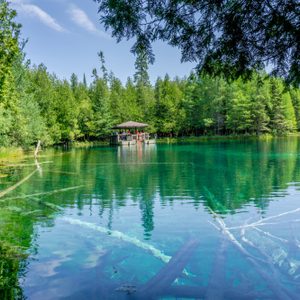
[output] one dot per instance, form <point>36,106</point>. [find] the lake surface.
<point>211,220</point>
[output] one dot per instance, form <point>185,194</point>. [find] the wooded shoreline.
<point>8,154</point>
<point>36,105</point>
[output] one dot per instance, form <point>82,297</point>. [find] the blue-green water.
<point>210,220</point>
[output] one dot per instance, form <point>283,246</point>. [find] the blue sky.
<point>66,35</point>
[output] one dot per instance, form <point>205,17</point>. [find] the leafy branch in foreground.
<point>229,37</point>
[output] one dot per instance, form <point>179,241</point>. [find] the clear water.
<point>211,220</point>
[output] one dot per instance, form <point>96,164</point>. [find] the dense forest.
<point>36,105</point>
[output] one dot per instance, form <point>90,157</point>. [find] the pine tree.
<point>84,80</point>
<point>103,67</point>
<point>260,100</point>
<point>130,109</point>
<point>166,108</point>
<point>142,82</point>
<point>239,113</point>
<point>44,92</point>
<point>295,95</point>
<point>85,111</point>
<point>30,124</point>
<point>95,74</point>
<point>74,82</point>
<point>289,112</point>
<point>278,122</point>
<point>102,116</point>
<point>141,76</point>
<point>191,104</point>
<point>259,116</point>
<point>219,104</point>
<point>67,115</point>
<point>115,100</point>
<point>238,117</point>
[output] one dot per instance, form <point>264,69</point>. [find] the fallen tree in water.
<point>13,187</point>
<point>122,236</point>
<point>38,169</point>
<point>171,271</point>
<point>214,289</point>
<point>45,193</point>
<point>272,258</point>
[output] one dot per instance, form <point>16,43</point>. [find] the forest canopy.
<point>36,105</point>
<point>229,37</point>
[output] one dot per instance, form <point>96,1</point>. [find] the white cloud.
<point>36,12</point>
<point>79,17</point>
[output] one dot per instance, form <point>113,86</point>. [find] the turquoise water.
<point>210,220</point>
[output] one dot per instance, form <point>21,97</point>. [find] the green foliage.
<point>85,111</point>
<point>289,112</point>
<point>295,95</point>
<point>43,90</point>
<point>5,125</point>
<point>9,42</point>
<point>239,114</point>
<point>223,37</point>
<point>282,112</point>
<point>36,105</point>
<point>130,109</point>
<point>141,76</point>
<point>166,108</point>
<point>102,107</point>
<point>66,114</point>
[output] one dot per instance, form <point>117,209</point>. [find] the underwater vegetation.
<point>11,259</point>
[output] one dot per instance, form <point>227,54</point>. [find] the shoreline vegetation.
<point>191,139</point>
<point>12,154</point>
<point>208,138</point>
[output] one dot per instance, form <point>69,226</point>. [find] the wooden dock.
<point>131,139</point>
<point>130,136</point>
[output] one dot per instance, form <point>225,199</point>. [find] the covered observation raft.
<point>130,133</point>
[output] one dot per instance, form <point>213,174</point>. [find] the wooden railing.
<point>129,137</point>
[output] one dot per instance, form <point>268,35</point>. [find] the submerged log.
<point>45,193</point>
<point>52,206</point>
<point>37,149</point>
<point>262,222</point>
<point>278,257</point>
<point>215,288</point>
<point>167,275</point>
<point>270,279</point>
<point>13,187</point>
<point>122,236</point>
<point>24,164</point>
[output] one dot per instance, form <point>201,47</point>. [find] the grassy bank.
<point>194,139</point>
<point>11,155</point>
<point>88,144</point>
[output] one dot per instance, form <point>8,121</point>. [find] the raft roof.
<point>130,124</point>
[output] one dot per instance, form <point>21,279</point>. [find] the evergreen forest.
<point>36,105</point>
